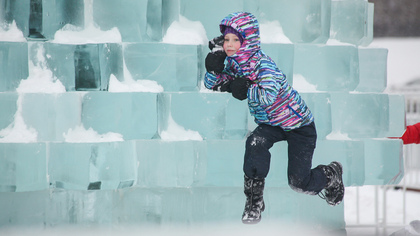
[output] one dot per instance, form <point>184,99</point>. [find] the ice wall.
<point>105,120</point>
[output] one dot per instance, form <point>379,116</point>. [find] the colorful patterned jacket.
<point>271,99</point>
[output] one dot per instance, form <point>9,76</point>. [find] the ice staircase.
<point>133,138</point>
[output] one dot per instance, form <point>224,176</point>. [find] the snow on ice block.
<point>51,115</point>
<point>133,115</point>
<point>23,167</point>
<point>372,69</point>
<point>58,13</point>
<point>360,115</point>
<point>351,21</point>
<point>170,164</point>
<point>130,17</point>
<point>92,166</point>
<point>13,65</point>
<point>311,22</point>
<point>383,161</point>
<point>213,115</point>
<point>328,68</point>
<point>84,66</point>
<point>175,67</point>
<point>8,104</point>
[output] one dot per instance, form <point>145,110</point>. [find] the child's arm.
<point>266,88</point>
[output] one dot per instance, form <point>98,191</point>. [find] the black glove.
<point>215,62</point>
<point>240,87</point>
<point>223,87</point>
<point>216,44</point>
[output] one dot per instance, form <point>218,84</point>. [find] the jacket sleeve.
<point>412,134</point>
<point>211,80</point>
<point>266,86</point>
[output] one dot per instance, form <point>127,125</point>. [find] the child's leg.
<point>302,178</point>
<point>257,155</point>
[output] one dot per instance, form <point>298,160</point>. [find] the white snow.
<point>71,34</point>
<point>11,33</point>
<point>81,135</point>
<point>175,132</point>
<point>272,32</point>
<point>187,32</point>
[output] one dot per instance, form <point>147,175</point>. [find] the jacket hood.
<point>247,25</point>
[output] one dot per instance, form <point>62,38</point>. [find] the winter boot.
<point>334,190</point>
<point>253,189</point>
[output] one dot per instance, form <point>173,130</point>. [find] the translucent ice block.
<point>397,120</point>
<point>13,65</point>
<point>209,13</point>
<point>175,67</point>
<point>133,115</point>
<point>311,22</point>
<point>98,165</point>
<point>320,106</point>
<point>17,11</point>
<point>282,55</point>
<point>360,115</point>
<point>9,107</point>
<point>373,69</point>
<point>350,153</point>
<point>383,161</point>
<point>23,167</point>
<point>170,164</point>
<point>351,21</point>
<point>216,115</point>
<point>84,67</point>
<point>51,114</point>
<point>130,17</point>
<point>329,68</point>
<point>58,13</point>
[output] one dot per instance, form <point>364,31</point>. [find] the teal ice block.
<point>351,21</point>
<point>23,167</point>
<point>92,166</point>
<point>8,104</point>
<point>51,115</point>
<point>133,115</point>
<point>373,70</point>
<point>174,67</point>
<point>329,68</point>
<point>215,115</point>
<point>13,65</point>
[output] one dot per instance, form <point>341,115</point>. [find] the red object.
<point>411,134</point>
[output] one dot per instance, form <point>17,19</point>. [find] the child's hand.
<point>215,62</point>
<point>216,44</point>
<point>239,87</point>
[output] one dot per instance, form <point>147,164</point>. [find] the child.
<point>244,70</point>
<point>411,135</point>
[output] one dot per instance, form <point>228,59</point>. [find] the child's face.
<point>231,44</point>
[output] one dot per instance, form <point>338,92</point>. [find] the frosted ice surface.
<point>13,64</point>
<point>99,165</point>
<point>372,69</point>
<point>23,174</point>
<point>158,62</point>
<point>329,68</point>
<point>133,115</point>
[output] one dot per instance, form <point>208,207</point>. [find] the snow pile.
<point>41,78</point>
<point>186,32</point>
<point>71,34</point>
<point>131,85</point>
<point>80,135</point>
<point>272,32</point>
<point>175,132</point>
<point>11,33</point>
